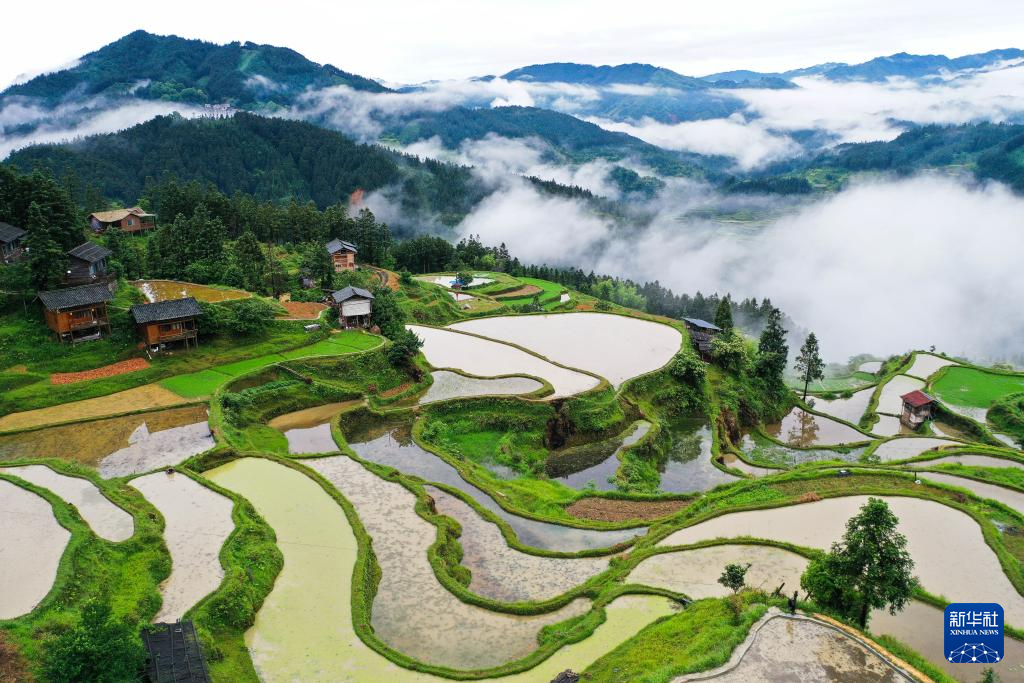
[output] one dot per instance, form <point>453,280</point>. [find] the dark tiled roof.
<point>171,309</point>
<point>917,398</point>
<point>338,245</point>
<point>350,292</point>
<point>72,297</point>
<point>90,251</point>
<point>701,324</point>
<point>9,233</point>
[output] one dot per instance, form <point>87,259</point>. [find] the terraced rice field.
<point>972,573</point>
<point>131,400</point>
<point>106,519</point>
<point>889,400</point>
<point>448,385</point>
<point>849,409</point>
<point>1007,496</point>
<point>601,475</point>
<point>925,365</point>
<point>904,448</point>
<point>486,358</point>
<point>31,545</point>
<point>629,346</point>
<point>970,388</point>
<point>889,425</point>
<point>164,290</point>
<point>309,430</point>
<point>801,428</point>
<point>186,507</point>
<point>689,467</point>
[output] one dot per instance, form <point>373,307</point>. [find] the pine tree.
<point>723,315</point>
<point>772,350</point>
<point>47,260</point>
<point>809,363</point>
<point>249,258</point>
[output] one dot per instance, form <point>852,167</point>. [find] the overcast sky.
<point>415,40</point>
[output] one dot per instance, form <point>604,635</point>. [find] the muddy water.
<point>31,545</point>
<point>87,443</point>
<point>304,630</point>
<point>1009,497</point>
<point>920,626</point>
<point>629,346</point>
<point>459,296</point>
<point>759,448</point>
<point>106,519</point>
<point>476,356</point>
<point>732,461</point>
<point>888,425</point>
<point>695,572</point>
<point>149,451</point>
<point>971,574</point>
<point>309,430</point>
<point>602,475</point>
<point>949,431</point>
<point>783,649</point>
<point>392,445</point>
<point>449,281</point>
<point>849,409</point>
<point>889,401</point>
<point>972,460</point>
<point>689,467</point>
<point>503,573</point>
<point>909,447</point>
<point>163,290</point>
<point>448,385</point>
<point>800,428</point>
<point>197,523</point>
<point>412,611</point>
<point>925,365</point>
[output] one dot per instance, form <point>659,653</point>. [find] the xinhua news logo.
<point>974,632</point>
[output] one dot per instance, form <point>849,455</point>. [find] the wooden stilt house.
<point>168,322</point>
<point>702,334</point>
<point>77,314</point>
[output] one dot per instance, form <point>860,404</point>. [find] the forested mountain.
<point>900,64</point>
<point>991,151</point>
<point>625,74</point>
<point>270,158</point>
<point>577,140</point>
<point>149,66</point>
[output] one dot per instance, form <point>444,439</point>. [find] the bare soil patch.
<point>612,510</point>
<point>525,290</point>
<point>13,666</point>
<point>303,310</point>
<point>125,366</point>
<point>139,398</point>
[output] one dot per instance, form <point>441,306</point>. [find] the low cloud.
<point>882,267</point>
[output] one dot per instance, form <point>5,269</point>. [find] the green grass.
<point>699,638</point>
<point>548,290</point>
<point>196,384</point>
<point>975,388</point>
<point>851,382</point>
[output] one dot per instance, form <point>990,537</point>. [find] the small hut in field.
<point>917,408</point>
<point>354,306</point>
<point>702,334</point>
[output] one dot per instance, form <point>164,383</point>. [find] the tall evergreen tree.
<point>772,349</point>
<point>723,315</point>
<point>47,260</point>
<point>250,259</point>
<point>809,363</point>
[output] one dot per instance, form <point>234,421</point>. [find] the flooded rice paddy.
<point>459,296</point>
<point>601,475</point>
<point>90,442</point>
<point>309,430</point>
<point>889,401</point>
<point>31,545</point>
<point>629,346</point>
<point>695,572</point>
<point>925,365</point>
<point>759,448</point>
<point>164,290</point>
<point>973,460</point>
<point>486,358</point>
<point>304,630</point>
<point>732,461</point>
<point>450,281</point>
<point>971,573</point>
<point>904,448</point>
<point>130,400</point>
<point>503,573</point>
<point>801,428</point>
<point>391,444</point>
<point>784,649</point>
<point>412,611</point>
<point>149,451</point>
<point>1009,497</point>
<point>850,409</point>
<point>197,522</point>
<point>870,367</point>
<point>689,467</point>
<point>448,385</point>
<point>889,425</point>
<point>106,519</point>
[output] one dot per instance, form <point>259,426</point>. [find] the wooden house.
<point>354,306</point>
<point>343,255</point>
<point>917,407</point>
<point>77,313</point>
<point>12,243</point>
<point>702,334</point>
<point>132,219</point>
<point>87,264</point>
<point>167,322</point>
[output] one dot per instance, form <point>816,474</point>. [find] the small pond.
<point>391,444</point>
<point>689,467</point>
<point>448,385</point>
<point>801,428</point>
<point>600,475</point>
<point>309,430</point>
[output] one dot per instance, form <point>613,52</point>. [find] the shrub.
<point>100,648</point>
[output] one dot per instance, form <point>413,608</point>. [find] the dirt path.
<point>525,290</point>
<point>125,366</point>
